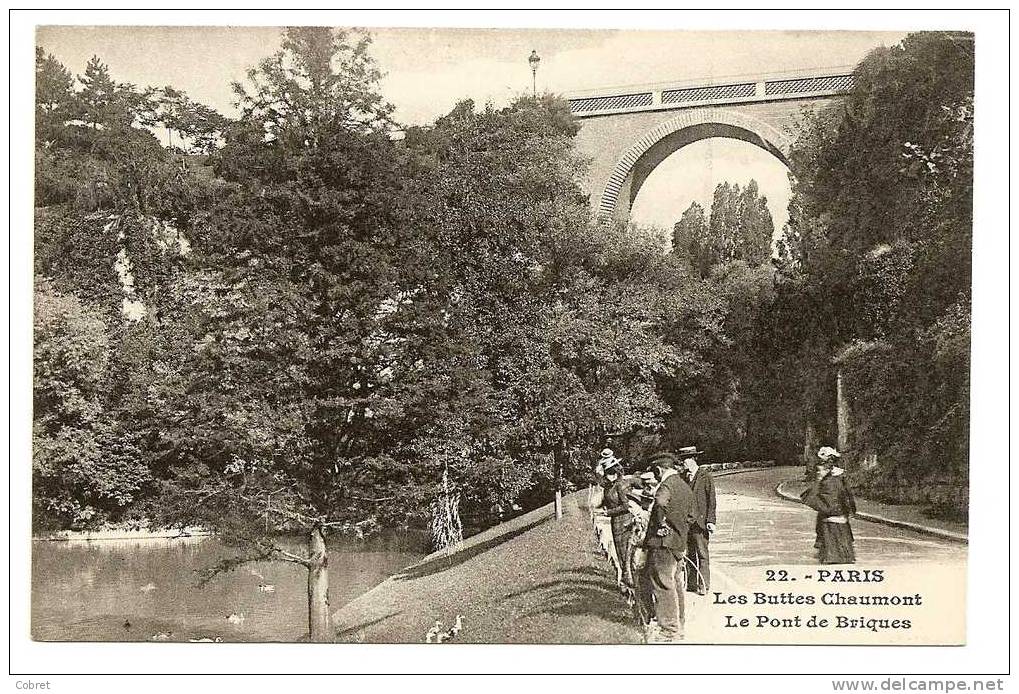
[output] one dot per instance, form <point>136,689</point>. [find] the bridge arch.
<point>652,148</point>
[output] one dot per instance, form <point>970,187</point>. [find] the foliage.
<point>879,234</point>
<point>343,331</point>
<point>723,406</point>
<point>311,314</point>
<point>85,469</point>
<point>559,325</point>
<point>94,149</point>
<point>739,228</point>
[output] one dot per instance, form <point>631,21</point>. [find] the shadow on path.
<point>583,592</point>
<point>443,563</point>
<point>350,631</point>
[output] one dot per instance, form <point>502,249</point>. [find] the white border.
<point>988,634</point>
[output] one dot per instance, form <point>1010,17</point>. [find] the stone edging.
<point>874,518</point>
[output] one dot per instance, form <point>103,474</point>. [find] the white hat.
<point>827,452</point>
<point>606,453</point>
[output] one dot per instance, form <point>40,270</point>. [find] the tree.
<point>739,228</point>
<point>198,127</point>
<point>102,103</point>
<point>689,234</point>
<point>560,322</point>
<point>880,236</point>
<point>54,97</point>
<point>314,312</point>
<point>85,469</point>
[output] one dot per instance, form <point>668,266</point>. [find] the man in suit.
<point>666,543</point>
<point>703,522</point>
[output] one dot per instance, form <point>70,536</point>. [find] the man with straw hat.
<point>702,523</point>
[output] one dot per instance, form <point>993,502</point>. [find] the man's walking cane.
<point>696,567</point>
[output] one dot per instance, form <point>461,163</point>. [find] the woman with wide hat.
<point>615,505</point>
<point>641,498</point>
<point>831,497</point>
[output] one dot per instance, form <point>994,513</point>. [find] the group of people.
<point>661,521</point>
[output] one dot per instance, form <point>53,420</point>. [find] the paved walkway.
<point>760,536</point>
<point>905,513</point>
<point>757,527</point>
<point>538,580</point>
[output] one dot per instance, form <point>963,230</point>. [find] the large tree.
<point>315,314</point>
<point>879,247</point>
<point>562,323</point>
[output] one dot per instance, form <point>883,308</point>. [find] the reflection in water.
<point>147,589</point>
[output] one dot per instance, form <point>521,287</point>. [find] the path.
<point>758,532</point>
<point>537,580</point>
<point>756,527</point>
<point>531,580</point>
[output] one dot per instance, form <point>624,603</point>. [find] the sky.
<point>428,70</point>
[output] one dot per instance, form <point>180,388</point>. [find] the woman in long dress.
<point>614,505</point>
<point>831,497</point>
<point>642,596</point>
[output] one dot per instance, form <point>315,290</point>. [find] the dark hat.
<point>664,459</point>
<point>688,452</point>
<point>641,495</point>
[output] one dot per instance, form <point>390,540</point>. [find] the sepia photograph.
<point>462,335</point>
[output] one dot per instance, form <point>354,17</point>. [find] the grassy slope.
<point>530,580</point>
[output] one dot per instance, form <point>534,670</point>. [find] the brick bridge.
<point>628,131</point>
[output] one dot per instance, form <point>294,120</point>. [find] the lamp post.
<point>533,61</point>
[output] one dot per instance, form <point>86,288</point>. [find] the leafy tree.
<point>562,323</point>
<point>879,236</point>
<point>313,314</point>
<point>688,234</point>
<point>739,228</point>
<point>85,469</point>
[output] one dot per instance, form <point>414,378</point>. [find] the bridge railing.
<point>664,97</point>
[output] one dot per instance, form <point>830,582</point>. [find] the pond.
<point>147,589</point>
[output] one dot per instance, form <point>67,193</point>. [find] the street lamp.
<point>533,61</point>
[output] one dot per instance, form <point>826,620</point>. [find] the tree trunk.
<point>810,452</point>
<point>319,622</point>
<point>843,414</point>
<point>557,457</point>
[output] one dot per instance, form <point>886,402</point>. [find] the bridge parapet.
<point>805,85</point>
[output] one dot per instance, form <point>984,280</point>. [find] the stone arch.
<point>654,146</point>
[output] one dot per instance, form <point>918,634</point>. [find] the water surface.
<point>147,589</point>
